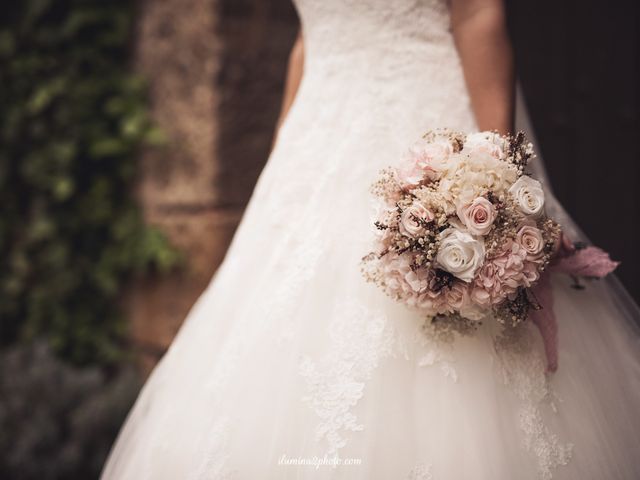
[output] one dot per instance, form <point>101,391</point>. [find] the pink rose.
<point>531,240</point>
<point>408,225</point>
<point>478,216</point>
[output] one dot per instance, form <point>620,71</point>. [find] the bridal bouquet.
<point>462,228</point>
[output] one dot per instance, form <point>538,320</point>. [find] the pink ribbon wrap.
<point>590,262</point>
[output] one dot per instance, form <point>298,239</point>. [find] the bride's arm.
<point>482,41</point>
<point>294,76</point>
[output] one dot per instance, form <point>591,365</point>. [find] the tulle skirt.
<point>291,366</point>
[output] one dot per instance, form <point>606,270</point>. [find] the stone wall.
<point>215,72</point>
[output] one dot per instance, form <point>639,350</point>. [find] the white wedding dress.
<point>291,357</point>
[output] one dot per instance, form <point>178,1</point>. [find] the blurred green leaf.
<point>108,147</point>
<point>78,19</point>
<point>74,118</point>
<point>7,43</point>
<point>63,188</point>
<point>41,228</point>
<point>45,94</point>
<point>34,10</point>
<point>156,137</point>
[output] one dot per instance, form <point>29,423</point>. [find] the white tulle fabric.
<point>289,354</point>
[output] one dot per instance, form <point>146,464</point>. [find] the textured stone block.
<point>158,306</point>
<point>215,72</point>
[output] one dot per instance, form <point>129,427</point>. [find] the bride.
<point>290,365</point>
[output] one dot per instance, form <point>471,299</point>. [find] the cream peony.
<point>460,253</point>
<point>528,195</point>
<point>469,177</point>
<point>478,216</point>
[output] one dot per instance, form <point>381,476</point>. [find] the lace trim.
<point>300,269</point>
<point>445,360</point>
<point>360,338</point>
<point>215,454</point>
<point>437,339</point>
<point>523,369</point>
<point>420,472</point>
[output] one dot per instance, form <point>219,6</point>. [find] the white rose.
<point>408,225</point>
<point>460,254</point>
<point>478,216</point>
<point>528,195</point>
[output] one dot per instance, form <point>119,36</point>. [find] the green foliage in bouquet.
<point>72,121</point>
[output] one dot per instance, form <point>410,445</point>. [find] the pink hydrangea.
<point>424,162</point>
<point>502,275</point>
<point>400,281</point>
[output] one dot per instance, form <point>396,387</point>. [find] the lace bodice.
<point>375,38</point>
<point>372,27</point>
<point>387,64</point>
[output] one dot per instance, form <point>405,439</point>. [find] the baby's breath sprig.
<point>519,151</point>
<point>441,279</point>
<point>457,141</point>
<point>551,232</point>
<point>505,227</point>
<point>380,226</point>
<point>444,328</point>
<point>387,185</point>
<point>513,311</point>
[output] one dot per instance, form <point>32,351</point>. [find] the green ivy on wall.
<point>72,120</point>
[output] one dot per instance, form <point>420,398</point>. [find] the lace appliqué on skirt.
<point>420,472</point>
<point>437,342</point>
<point>523,367</point>
<point>335,383</point>
<point>215,454</point>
